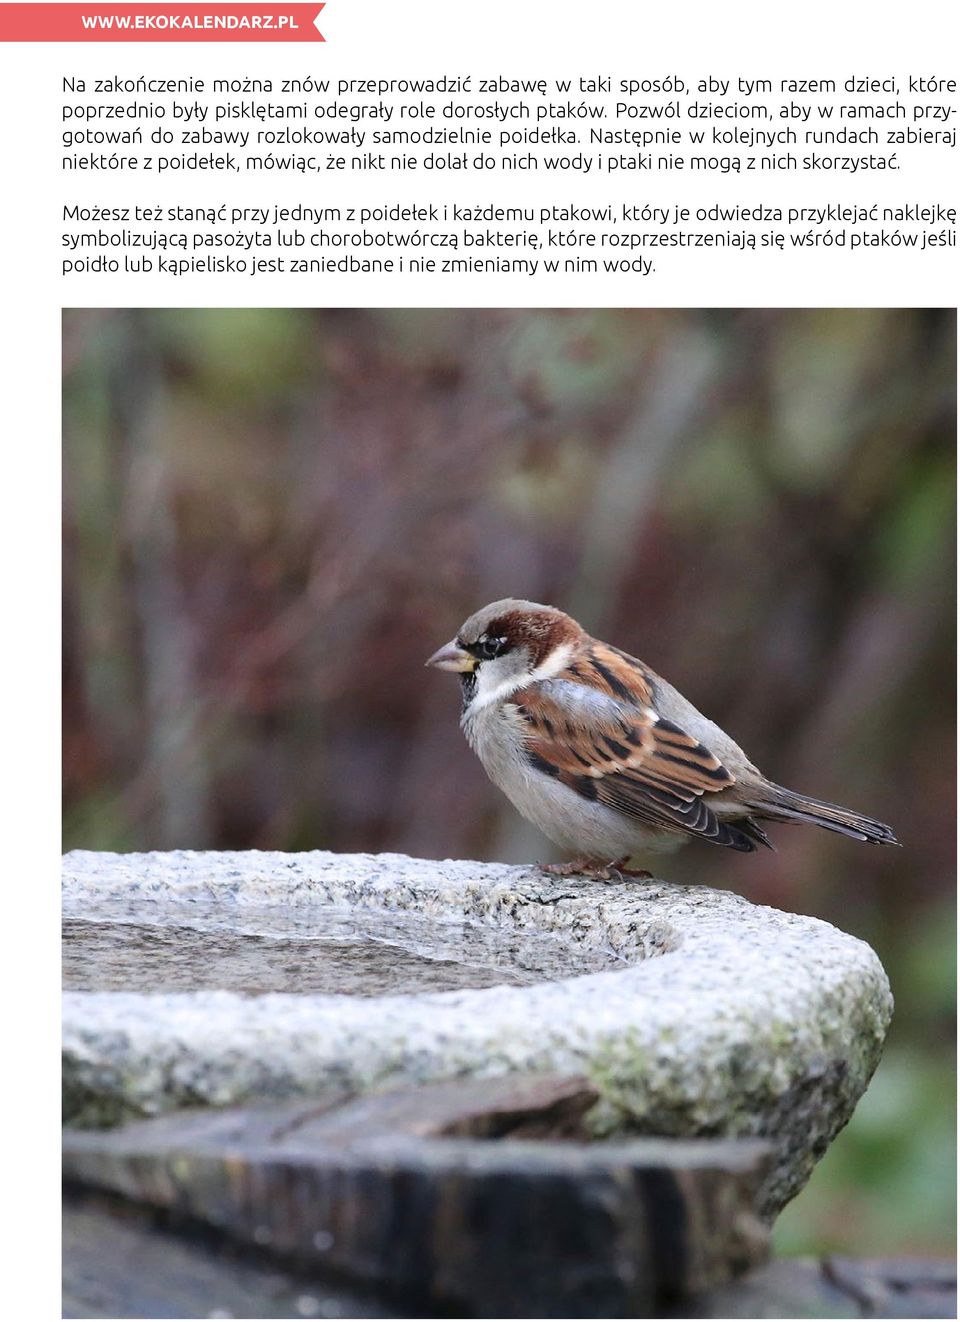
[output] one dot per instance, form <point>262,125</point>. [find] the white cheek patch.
<point>490,688</point>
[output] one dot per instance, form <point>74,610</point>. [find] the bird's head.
<point>506,645</point>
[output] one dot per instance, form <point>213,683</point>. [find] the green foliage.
<point>887,1186</point>
<point>909,543</point>
<point>238,355</point>
<point>888,1183</point>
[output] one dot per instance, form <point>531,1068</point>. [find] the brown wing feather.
<point>621,753</point>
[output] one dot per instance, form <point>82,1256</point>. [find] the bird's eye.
<point>487,647</point>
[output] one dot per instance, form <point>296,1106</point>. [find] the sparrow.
<point>606,758</point>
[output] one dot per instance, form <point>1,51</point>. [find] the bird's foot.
<point>577,867</point>
<point>596,868</point>
<point>639,874</point>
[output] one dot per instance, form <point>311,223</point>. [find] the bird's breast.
<point>495,736</point>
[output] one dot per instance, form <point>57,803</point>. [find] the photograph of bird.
<point>606,758</point>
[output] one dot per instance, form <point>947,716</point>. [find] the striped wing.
<point>593,728</point>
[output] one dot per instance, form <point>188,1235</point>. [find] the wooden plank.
<point>834,1287</point>
<point>896,1287</point>
<point>375,1191</point>
<point>117,1262</point>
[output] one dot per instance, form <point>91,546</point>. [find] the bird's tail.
<point>779,804</point>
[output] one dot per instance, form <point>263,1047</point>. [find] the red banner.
<point>159,22</point>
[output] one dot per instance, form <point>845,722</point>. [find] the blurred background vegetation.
<point>272,517</point>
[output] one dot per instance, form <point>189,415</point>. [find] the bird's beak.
<point>451,657</point>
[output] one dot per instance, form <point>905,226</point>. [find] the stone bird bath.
<point>214,979</point>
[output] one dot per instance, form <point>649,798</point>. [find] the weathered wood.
<point>833,1287</point>
<point>507,1228</point>
<point>788,1288</point>
<point>896,1287</point>
<point>545,1106</point>
<point>117,1262</point>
